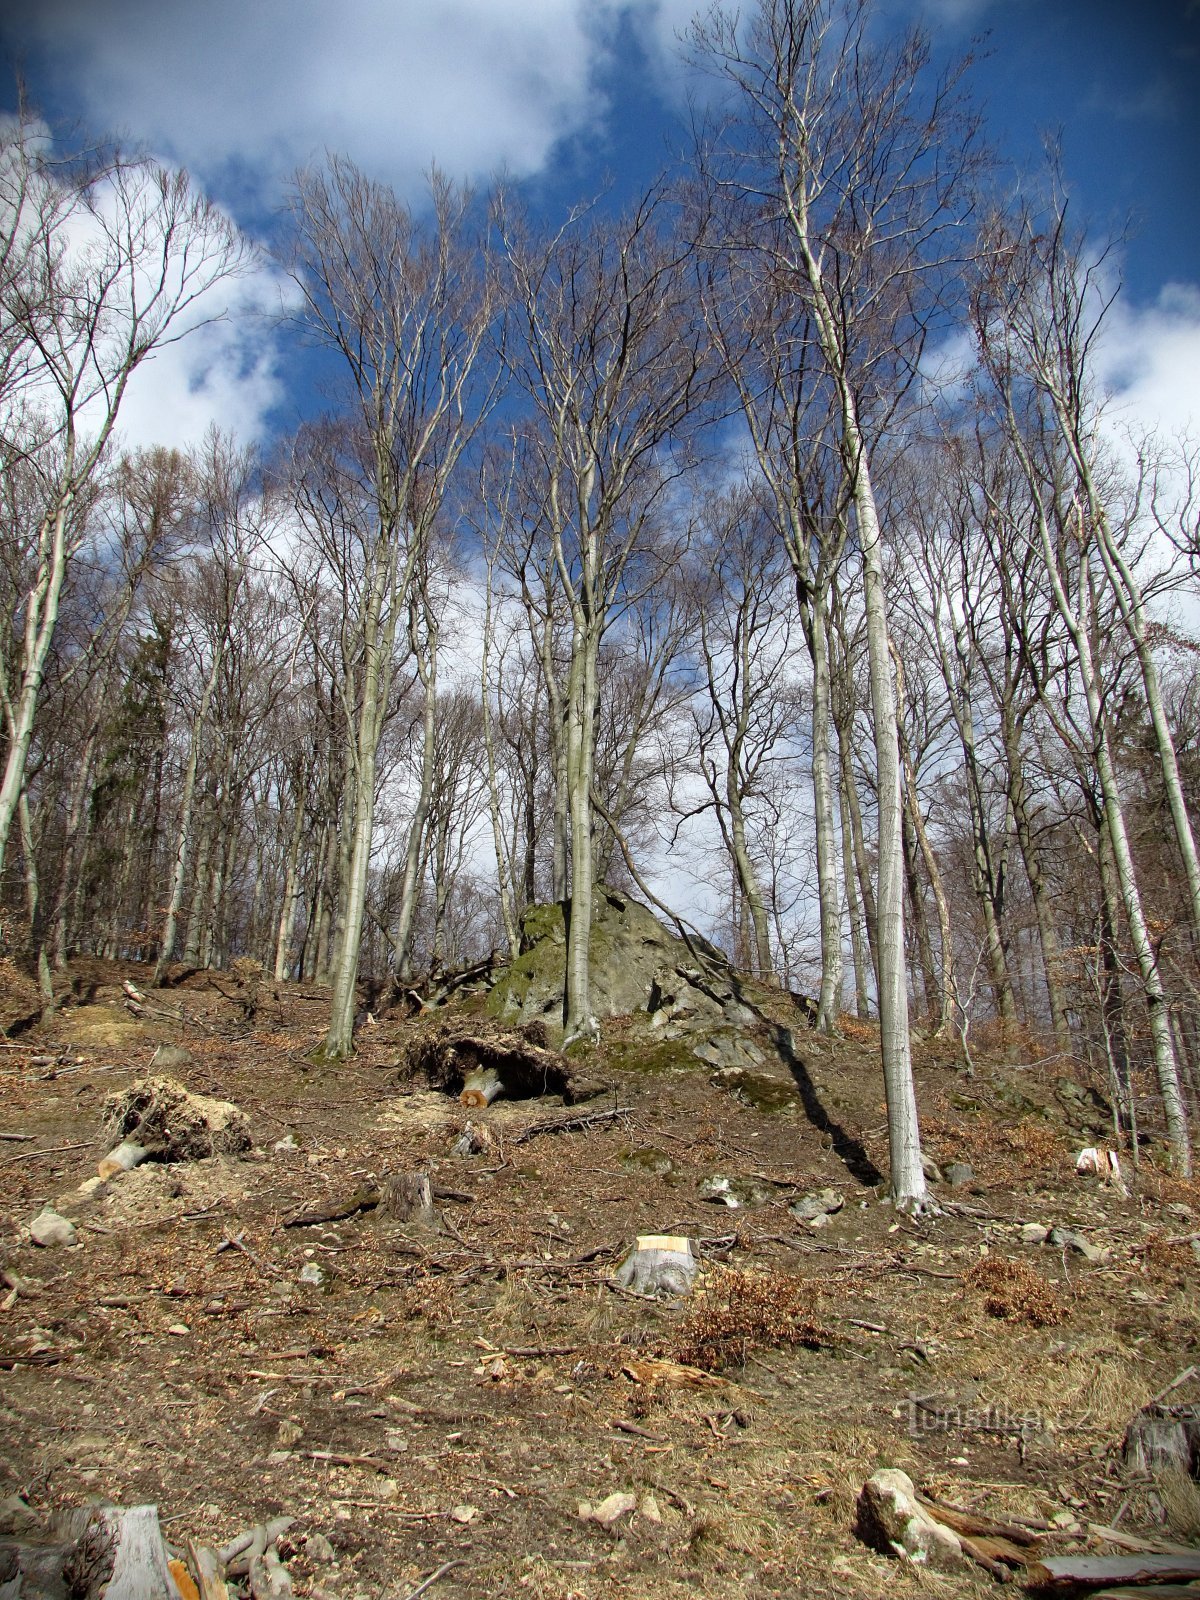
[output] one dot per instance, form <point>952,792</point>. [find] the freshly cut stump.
<point>658,1264</point>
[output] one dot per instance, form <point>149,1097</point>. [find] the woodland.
<point>772,534</point>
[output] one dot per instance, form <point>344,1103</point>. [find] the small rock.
<point>959,1173</point>
<point>891,1519</point>
<point>933,1173</point>
<point>820,1204</point>
<point>648,1509</point>
<point>319,1550</point>
<point>312,1272</point>
<point>49,1230</point>
<point>1034,1233</point>
<point>286,1146</point>
<point>822,1221</point>
<point>609,1510</point>
<point>92,1188</point>
<point>464,1514</point>
<point>290,1433</point>
<point>718,1190</point>
<point>1176,1208</point>
<point>170,1055</point>
<point>179,1329</point>
<point>1068,1239</point>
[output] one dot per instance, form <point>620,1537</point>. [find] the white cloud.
<point>1149,359</point>
<point>246,92</point>
<point>223,373</point>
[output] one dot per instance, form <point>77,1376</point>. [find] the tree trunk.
<point>858,955</point>
<point>580,755</point>
<point>414,854</point>
<point>1018,799</point>
<point>291,891</point>
<point>829,1002</point>
<point>184,832</point>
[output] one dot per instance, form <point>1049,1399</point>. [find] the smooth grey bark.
<point>183,832</point>
<point>423,645</point>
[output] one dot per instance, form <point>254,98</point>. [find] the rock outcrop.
<point>636,966</point>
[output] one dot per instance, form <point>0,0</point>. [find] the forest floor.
<point>453,1396</point>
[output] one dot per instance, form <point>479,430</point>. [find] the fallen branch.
<point>1063,1574</point>
<point>433,1578</point>
<point>571,1124</point>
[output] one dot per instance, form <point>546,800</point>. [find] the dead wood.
<point>454,1051</point>
<point>365,1199</point>
<point>408,1197</point>
<point>1163,1439</point>
<point>969,1523</point>
<point>571,1124</point>
<point>1066,1574</point>
<point>161,1115</point>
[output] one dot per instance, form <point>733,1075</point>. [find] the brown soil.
<point>454,1396</point>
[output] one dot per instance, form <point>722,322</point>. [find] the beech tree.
<point>406,306</point>
<point>854,181</point>
<point>102,261</point>
<point>613,364</point>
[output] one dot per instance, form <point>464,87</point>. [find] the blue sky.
<point>564,93</point>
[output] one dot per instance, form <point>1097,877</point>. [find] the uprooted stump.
<point>170,1123</point>
<point>479,1061</point>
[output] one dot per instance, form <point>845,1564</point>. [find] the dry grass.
<point>1180,1496</point>
<point>1017,1293</point>
<point>737,1312</point>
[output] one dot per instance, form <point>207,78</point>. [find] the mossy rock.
<point>649,1160</point>
<point>758,1090</point>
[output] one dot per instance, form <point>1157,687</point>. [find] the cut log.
<point>123,1158</point>
<point>658,1264</point>
<point>474,1140</point>
<point>481,1087</point>
<point>408,1197</point>
<point>1065,1574</point>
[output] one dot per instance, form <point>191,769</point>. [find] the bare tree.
<point>100,265</point>
<point>407,307</point>
<point>853,180</point>
<point>613,363</point>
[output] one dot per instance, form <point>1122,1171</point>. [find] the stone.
<point>635,966</point>
<point>319,1550</point>
<point>169,1056</point>
<point>958,1173</point>
<point>286,1145</point>
<point>891,1519</point>
<point>821,1204</point>
<point>314,1274</point>
<point>609,1510</point>
<point>1034,1233</point>
<point>648,1509</point>
<point>1068,1239</point>
<point>719,1190</point>
<point>933,1173</point>
<point>49,1230</point>
<point>728,1049</point>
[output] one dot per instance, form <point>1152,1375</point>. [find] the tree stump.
<point>408,1197</point>
<point>1163,1439</point>
<point>658,1264</point>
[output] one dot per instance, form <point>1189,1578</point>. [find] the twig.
<point>1180,1378</point>
<point>433,1578</point>
<point>50,1150</point>
<point>569,1124</point>
<point>19,1138</point>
